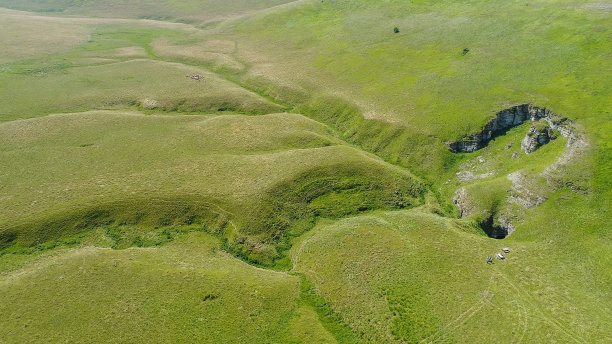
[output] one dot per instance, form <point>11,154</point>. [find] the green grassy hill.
<point>303,189</point>
<point>263,175</point>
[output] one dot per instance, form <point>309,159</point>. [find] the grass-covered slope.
<point>550,53</point>
<point>145,83</point>
<point>26,37</point>
<point>187,291</point>
<point>76,172</point>
<point>134,198</point>
<point>406,277</point>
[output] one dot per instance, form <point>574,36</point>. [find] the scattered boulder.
<point>150,104</point>
<point>468,176</point>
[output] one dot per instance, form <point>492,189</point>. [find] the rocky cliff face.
<point>504,121</point>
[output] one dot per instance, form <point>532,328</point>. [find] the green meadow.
<point>278,172</point>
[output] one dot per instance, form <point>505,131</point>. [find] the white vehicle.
<point>500,256</point>
<point>506,250</point>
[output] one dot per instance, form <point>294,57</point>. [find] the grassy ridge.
<point>148,84</point>
<point>271,175</point>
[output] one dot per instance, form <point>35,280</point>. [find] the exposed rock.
<point>504,121</point>
<point>508,146</point>
<point>467,176</point>
<point>525,191</point>
<point>576,146</point>
<point>463,203</point>
<point>150,104</point>
<point>537,136</point>
<point>598,6</point>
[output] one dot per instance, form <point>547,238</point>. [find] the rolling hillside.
<point>305,171</point>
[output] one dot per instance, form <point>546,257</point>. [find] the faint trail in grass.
<point>461,319</point>
<point>44,262</point>
<point>543,316</point>
<point>523,319</point>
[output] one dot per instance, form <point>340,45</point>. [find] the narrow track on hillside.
<point>462,318</point>
<point>562,328</point>
<point>523,316</point>
<point>45,261</point>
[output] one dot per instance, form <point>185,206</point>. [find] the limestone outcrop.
<point>537,136</point>
<point>525,191</point>
<point>506,120</point>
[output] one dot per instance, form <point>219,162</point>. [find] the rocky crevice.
<point>497,226</point>
<point>493,230</point>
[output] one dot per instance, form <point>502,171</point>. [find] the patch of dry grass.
<point>217,54</point>
<point>24,37</point>
<point>38,91</point>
